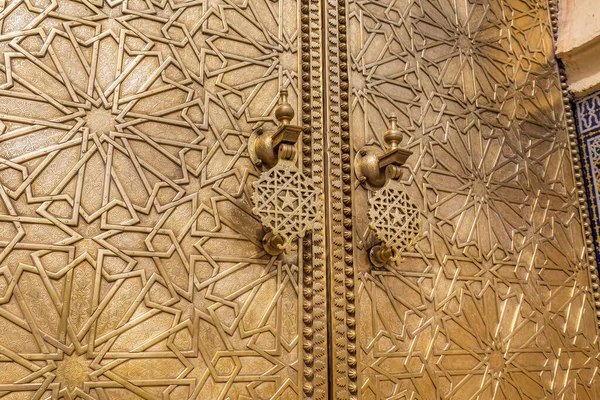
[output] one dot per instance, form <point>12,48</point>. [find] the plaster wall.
<point>579,44</point>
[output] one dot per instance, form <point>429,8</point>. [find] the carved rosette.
<point>286,201</point>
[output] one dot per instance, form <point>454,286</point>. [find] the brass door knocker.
<point>393,217</point>
<point>287,202</point>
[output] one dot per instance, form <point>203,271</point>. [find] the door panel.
<point>495,300</point>
<point>131,261</point>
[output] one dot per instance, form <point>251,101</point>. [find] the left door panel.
<point>130,259</point>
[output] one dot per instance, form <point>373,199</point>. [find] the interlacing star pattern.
<point>495,301</point>
<point>395,219</point>
<point>130,264</point>
<point>287,202</point>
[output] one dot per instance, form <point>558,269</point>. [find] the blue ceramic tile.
<point>588,127</point>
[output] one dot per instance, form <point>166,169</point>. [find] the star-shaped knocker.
<point>287,202</point>
<point>393,217</point>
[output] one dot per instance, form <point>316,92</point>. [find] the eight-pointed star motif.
<point>286,201</point>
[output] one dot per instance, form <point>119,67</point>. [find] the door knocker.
<point>287,202</point>
<point>392,216</point>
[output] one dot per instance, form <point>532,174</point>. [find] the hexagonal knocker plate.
<point>394,218</point>
<point>287,202</point>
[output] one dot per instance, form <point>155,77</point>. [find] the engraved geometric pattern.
<point>394,218</point>
<point>496,300</point>
<point>592,163</point>
<point>286,201</point>
<point>130,260</point>
<point>588,122</point>
<point>588,114</point>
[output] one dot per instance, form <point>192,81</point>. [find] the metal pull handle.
<point>394,218</point>
<point>287,202</point>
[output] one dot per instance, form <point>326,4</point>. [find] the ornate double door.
<point>409,224</point>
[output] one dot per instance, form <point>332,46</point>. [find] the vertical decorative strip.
<point>314,278</point>
<point>342,276</point>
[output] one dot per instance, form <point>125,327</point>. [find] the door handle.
<point>393,217</point>
<point>287,202</point>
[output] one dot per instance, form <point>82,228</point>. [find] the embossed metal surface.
<point>496,300</point>
<point>285,199</point>
<point>130,259</point>
<point>287,202</point>
<point>395,219</point>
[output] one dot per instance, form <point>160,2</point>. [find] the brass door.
<point>131,261</point>
<point>495,300</point>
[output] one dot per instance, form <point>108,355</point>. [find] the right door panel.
<point>495,300</point>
